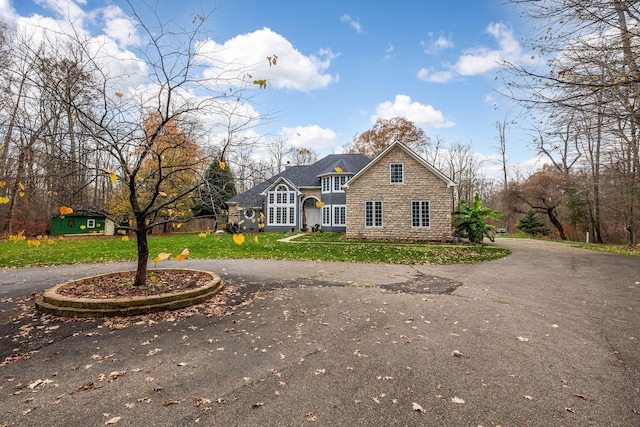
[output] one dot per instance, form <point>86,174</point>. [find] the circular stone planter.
<point>52,302</point>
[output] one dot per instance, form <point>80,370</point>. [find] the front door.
<point>311,214</point>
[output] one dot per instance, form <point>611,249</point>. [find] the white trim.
<point>419,159</point>
<point>391,175</point>
<point>334,216</point>
<point>326,208</point>
<point>421,212</point>
<point>91,223</point>
<point>373,214</point>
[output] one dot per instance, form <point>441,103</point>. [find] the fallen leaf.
<point>170,402</point>
<point>456,399</point>
<point>584,396</point>
<point>456,353</point>
<point>529,397</point>
<point>417,407</point>
<point>523,339</point>
<point>202,400</point>
<point>113,420</point>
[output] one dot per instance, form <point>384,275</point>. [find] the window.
<point>91,223</point>
<point>249,213</point>
<point>326,215</point>
<point>282,206</point>
<point>326,184</point>
<point>420,213</point>
<point>373,214</point>
<point>339,215</point>
<point>338,182</point>
<point>396,173</point>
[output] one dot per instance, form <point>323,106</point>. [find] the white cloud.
<point>389,52</point>
<point>479,60</point>
<point>422,115</point>
<point>437,44</point>
<point>320,140</point>
<point>249,52</point>
<point>353,23</point>
<point>7,12</point>
<point>482,59</point>
<point>120,27</point>
<point>429,75</point>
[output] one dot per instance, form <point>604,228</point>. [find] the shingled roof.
<point>304,176</point>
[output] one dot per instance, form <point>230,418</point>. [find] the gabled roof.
<point>277,182</point>
<point>304,176</point>
<point>407,150</point>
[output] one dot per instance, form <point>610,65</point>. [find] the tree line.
<point>73,133</point>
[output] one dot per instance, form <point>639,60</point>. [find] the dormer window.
<point>338,182</point>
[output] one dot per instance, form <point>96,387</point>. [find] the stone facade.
<point>420,183</point>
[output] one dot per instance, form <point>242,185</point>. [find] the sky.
<point>343,64</point>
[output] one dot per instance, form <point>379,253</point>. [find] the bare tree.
<point>136,129</point>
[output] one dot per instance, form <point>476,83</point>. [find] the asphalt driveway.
<point>546,336</point>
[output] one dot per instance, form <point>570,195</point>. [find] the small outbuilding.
<point>81,223</point>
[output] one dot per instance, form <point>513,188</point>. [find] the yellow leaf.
<point>178,225</point>
<point>222,165</point>
<point>65,210</point>
<point>339,170</point>
<point>203,234</point>
<point>162,193</point>
<point>238,239</point>
<point>255,239</point>
<point>51,242</point>
<point>2,184</point>
<point>125,238</point>
<point>21,194</point>
<point>118,94</point>
<point>161,257</point>
<point>241,221</point>
<point>183,255</point>
<point>4,200</point>
<point>82,227</point>
<point>21,186</point>
<point>113,177</point>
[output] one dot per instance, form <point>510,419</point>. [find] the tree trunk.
<point>554,220</point>
<point>143,252</point>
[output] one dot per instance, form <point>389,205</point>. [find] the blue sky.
<point>342,64</point>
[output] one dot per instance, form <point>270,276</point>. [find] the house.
<point>299,197</point>
<point>396,196</point>
<point>81,223</point>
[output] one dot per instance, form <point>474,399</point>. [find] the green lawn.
<point>316,246</point>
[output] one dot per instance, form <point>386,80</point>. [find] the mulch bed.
<point>121,286</point>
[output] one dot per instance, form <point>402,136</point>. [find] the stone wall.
<point>419,184</point>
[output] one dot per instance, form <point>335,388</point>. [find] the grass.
<point>602,247</point>
<point>615,249</point>
<point>316,246</point>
